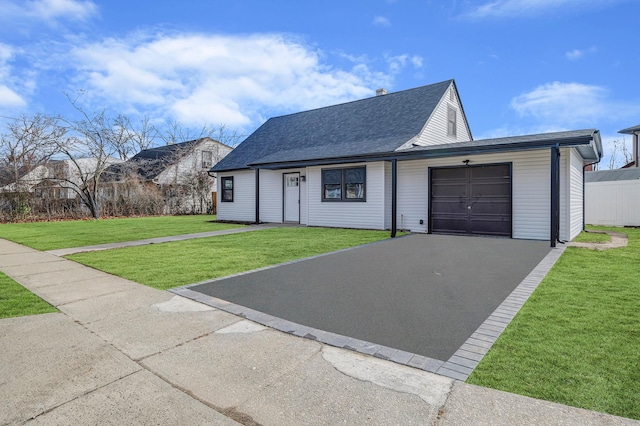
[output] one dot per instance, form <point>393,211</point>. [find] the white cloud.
<point>219,79</point>
<point>8,96</point>
<point>48,11</point>
<point>398,62</point>
<point>564,105</point>
<point>381,21</point>
<point>511,8</point>
<point>576,54</point>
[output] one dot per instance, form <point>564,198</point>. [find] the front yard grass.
<point>17,301</point>
<point>592,237</point>
<point>174,264</point>
<point>577,339</point>
<point>78,233</point>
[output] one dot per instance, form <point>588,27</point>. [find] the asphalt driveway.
<point>424,294</point>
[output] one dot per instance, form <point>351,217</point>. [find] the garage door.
<point>471,200</point>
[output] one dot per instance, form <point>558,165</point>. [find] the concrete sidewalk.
<point>158,240</point>
<point>122,353</point>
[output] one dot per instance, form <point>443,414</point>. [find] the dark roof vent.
<point>381,92</point>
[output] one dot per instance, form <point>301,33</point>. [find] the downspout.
<point>394,196</point>
<point>257,196</point>
<point>555,195</point>
<point>584,191</point>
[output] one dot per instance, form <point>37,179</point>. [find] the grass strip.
<point>577,339</point>
<point>17,301</point>
<point>174,264</point>
<point>79,233</point>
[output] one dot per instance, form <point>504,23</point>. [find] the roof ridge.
<point>362,99</point>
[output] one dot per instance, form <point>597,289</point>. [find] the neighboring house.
<point>406,160</point>
<point>612,197</point>
<point>56,178</point>
<point>179,170</point>
<point>635,146</point>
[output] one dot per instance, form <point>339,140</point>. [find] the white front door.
<point>291,197</point>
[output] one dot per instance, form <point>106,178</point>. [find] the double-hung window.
<point>227,189</point>
<point>345,184</point>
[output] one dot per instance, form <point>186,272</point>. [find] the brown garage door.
<point>471,200</point>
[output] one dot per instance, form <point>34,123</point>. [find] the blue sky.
<point>521,66</point>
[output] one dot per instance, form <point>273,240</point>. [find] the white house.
<point>179,170</point>
<point>407,160</point>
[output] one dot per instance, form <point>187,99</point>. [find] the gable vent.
<point>381,92</point>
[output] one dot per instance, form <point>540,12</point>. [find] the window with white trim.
<point>344,184</point>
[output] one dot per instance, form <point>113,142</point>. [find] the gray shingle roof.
<point>374,125</point>
<point>566,138</point>
<point>613,175</point>
<point>630,130</point>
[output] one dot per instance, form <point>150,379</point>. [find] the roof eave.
<point>446,151</point>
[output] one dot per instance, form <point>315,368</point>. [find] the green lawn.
<point>179,263</point>
<point>590,237</point>
<point>77,233</point>
<point>577,339</point>
<point>17,301</point>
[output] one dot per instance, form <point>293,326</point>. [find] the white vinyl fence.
<point>613,203</point>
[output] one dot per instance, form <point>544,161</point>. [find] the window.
<point>344,184</point>
<point>227,189</point>
<point>451,122</point>
<point>207,159</point>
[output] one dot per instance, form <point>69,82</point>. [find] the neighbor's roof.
<point>154,161</point>
<point>613,175</point>
<point>379,124</point>
<point>630,130</point>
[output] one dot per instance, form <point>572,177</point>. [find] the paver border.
<point>459,366</point>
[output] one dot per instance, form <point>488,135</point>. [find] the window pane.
<point>354,175</point>
<point>227,194</point>
<point>355,191</point>
<point>332,176</point>
<point>228,184</point>
<point>333,191</point>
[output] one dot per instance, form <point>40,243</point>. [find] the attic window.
<point>207,159</point>
<point>452,98</point>
<point>451,122</point>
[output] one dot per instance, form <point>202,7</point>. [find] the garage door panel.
<point>450,189</point>
<point>471,200</point>
<point>450,224</point>
<point>483,189</point>
<point>445,207</point>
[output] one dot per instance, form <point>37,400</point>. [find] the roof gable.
<point>368,126</point>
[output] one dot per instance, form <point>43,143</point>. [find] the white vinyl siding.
<point>243,206</point>
<point>613,203</point>
<point>367,215</point>
<point>387,195</point>
<point>271,193</point>
<point>576,194</point>
<point>304,202</point>
<point>530,191</point>
<point>436,132</point>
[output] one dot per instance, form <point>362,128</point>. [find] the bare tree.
<point>93,141</point>
<point>619,153</point>
<point>25,148</point>
<point>130,138</point>
<point>29,142</point>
